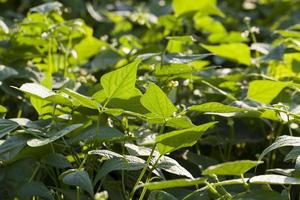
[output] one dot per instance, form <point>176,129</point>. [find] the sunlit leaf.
<point>231,168</point>
<point>174,140</point>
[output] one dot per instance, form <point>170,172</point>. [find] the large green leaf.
<point>28,190</point>
<point>281,141</point>
<point>174,140</point>
<point>7,126</point>
<point>174,183</point>
<point>231,168</point>
<point>238,52</point>
<point>204,6</point>
<point>157,103</point>
<point>264,91</point>
<point>121,82</point>
<point>54,135</point>
<point>79,178</point>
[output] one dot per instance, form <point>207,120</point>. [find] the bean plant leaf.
<point>231,168</point>
<point>264,91</point>
<point>174,140</point>
<point>55,135</point>
<point>121,82</point>
<point>37,92</point>
<point>172,166</point>
<point>81,99</point>
<point>215,107</point>
<point>81,179</point>
<point>174,183</point>
<point>116,162</point>
<point>157,102</point>
<point>259,195</point>
<point>7,72</point>
<point>281,141</point>
<point>238,52</point>
<point>56,160</point>
<point>2,109</point>
<point>47,7</point>
<point>35,188</point>
<point>274,179</point>
<point>204,6</point>
<point>7,126</point>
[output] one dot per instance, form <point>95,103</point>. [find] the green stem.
<point>77,193</point>
<point>142,173</point>
<point>149,177</point>
<point>34,172</point>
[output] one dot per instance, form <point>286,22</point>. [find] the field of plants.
<point>150,99</point>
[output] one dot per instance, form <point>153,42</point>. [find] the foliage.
<point>168,99</point>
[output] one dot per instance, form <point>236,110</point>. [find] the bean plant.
<point>133,100</point>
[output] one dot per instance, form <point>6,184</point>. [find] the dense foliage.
<point>152,99</point>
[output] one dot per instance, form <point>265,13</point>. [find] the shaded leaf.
<point>31,189</point>
<point>7,126</point>
<point>81,179</point>
<point>281,141</point>
<point>53,136</point>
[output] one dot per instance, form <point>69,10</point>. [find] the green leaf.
<point>41,92</point>
<point>172,166</point>
<point>204,6</point>
<point>116,162</point>
<point>174,183</point>
<point>157,102</point>
<point>7,126</point>
<point>2,109</point>
<point>215,107</point>
<point>293,154</point>
<point>87,48</point>
<point>274,179</point>
<point>174,140</point>
<point>54,135</point>
<point>264,91</point>
<point>238,52</point>
<point>81,179</point>
<point>231,168</point>
<point>47,7</point>
<point>7,72</point>
<point>281,141</point>
<point>28,190</point>
<point>56,160</point>
<point>81,99</point>
<point>180,122</point>
<point>36,90</point>
<point>259,195</point>
<point>121,82</point>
